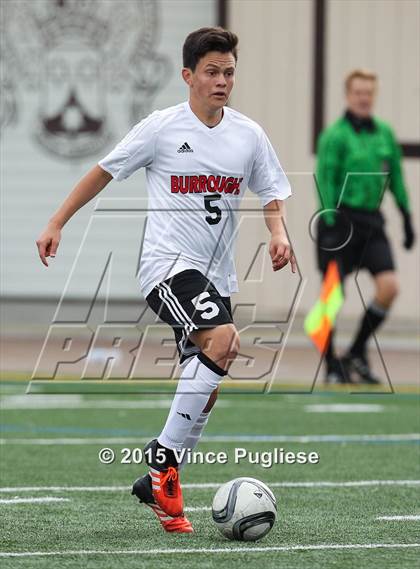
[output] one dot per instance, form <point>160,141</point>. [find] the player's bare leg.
<point>220,344</point>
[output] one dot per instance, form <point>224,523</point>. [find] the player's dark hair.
<point>202,41</point>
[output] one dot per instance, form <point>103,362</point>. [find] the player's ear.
<point>187,75</point>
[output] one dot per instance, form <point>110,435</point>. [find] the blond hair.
<point>359,74</point>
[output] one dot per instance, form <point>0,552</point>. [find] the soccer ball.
<point>244,509</point>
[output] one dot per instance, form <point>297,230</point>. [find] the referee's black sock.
<point>373,317</point>
<point>330,351</point>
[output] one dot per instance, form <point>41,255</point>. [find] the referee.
<point>358,160</point>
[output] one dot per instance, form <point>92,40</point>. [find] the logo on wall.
<point>80,64</point>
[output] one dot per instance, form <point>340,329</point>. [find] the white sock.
<point>197,382</point>
<point>195,434</point>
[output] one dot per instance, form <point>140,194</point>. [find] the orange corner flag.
<point>321,318</point>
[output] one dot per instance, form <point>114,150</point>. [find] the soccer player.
<point>358,159</point>
<point>199,156</point>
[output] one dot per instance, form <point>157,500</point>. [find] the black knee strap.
<point>211,365</point>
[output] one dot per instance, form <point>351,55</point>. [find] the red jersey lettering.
<point>202,184</point>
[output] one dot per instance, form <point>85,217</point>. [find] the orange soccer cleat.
<point>167,490</point>
<point>163,471</point>
<point>142,488</point>
<point>179,524</point>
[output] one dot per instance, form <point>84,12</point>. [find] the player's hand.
<point>281,253</point>
<point>48,242</point>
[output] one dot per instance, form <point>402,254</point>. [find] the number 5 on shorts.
<point>209,309</point>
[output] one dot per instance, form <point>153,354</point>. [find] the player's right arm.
<point>88,187</point>
<point>136,150</point>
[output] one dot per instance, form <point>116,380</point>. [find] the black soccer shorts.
<point>368,248</point>
<point>189,301</point>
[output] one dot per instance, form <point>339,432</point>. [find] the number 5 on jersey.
<point>213,209</point>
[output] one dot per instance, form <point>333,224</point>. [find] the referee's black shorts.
<point>365,244</point>
<point>189,301</point>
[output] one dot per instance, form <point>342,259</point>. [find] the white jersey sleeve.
<point>267,178</point>
<point>136,150</point>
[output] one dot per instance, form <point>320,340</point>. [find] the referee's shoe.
<point>358,365</point>
<point>337,372</point>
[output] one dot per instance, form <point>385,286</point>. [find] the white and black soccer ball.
<point>244,509</point>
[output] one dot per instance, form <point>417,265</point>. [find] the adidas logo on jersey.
<point>185,148</point>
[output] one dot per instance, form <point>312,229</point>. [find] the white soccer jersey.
<point>196,178</point>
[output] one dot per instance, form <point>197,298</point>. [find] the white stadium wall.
<point>127,72</point>
<point>275,86</point>
<point>120,77</point>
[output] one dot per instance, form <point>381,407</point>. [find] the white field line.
<point>322,546</point>
<point>318,484</point>
<point>204,485</point>
<point>218,439</point>
<point>44,500</point>
<point>344,408</point>
<point>399,518</point>
<point>198,509</point>
<point>44,402</point>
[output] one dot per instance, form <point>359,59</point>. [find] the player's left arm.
<point>398,188</point>
<point>280,250</point>
<point>270,183</point>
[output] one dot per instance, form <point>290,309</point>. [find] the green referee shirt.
<point>366,160</point>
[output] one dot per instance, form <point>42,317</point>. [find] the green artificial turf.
<point>113,521</point>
